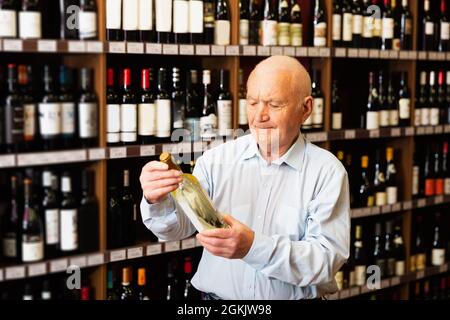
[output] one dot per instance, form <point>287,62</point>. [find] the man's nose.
<point>262,112</point>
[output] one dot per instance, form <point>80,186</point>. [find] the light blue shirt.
<point>298,207</point>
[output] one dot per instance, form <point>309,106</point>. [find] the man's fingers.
<point>217,233</point>
<point>159,193</point>
<point>155,166</point>
<point>158,175</point>
<point>215,242</point>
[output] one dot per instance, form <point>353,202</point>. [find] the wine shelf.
<point>17,272</point>
<point>390,282</point>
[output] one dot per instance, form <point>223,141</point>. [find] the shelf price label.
<point>97,154</point>
<point>249,50</point>
<point>407,205</point>
<point>421,203</point>
<point>276,51</point>
<point>117,47</point>
<point>37,269</point>
<point>153,249</point>
<point>340,52</point>
<point>118,152</point>
<point>117,255</point>
<point>7,161</point>
<point>396,207</point>
<point>439,200</point>
<point>188,243</point>
<point>217,50</point>
<point>13,273</point>
<point>171,246</point>
<point>96,259</point>
<point>170,49</point>
<point>395,132</point>
<point>76,46</point>
<point>289,51</point>
<point>13,45</point>
<point>80,262</point>
<point>349,134</point>
<point>58,265</point>
<point>47,46</point>
<point>148,151</point>
<point>134,253</point>
<point>94,46</point>
<point>135,47</point>
<point>374,133</point>
<point>202,50</point>
<point>301,52</point>
<point>443,268</point>
<point>363,53</point>
<point>232,50</point>
<point>374,53</point>
<point>153,48</point>
<point>187,49</point>
<point>352,53</point>
<point>263,51</point>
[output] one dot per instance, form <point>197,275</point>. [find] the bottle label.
<point>128,122</point>
<point>429,28</point>
<point>421,261</point>
<point>372,120</point>
<point>225,112</point>
<point>163,9</point>
<point>196,16</point>
<point>404,108</point>
<point>296,31</point>
<point>368,27</point>
<point>380,199</point>
<point>391,193</point>
<point>413,263</point>
<point>32,249</point>
<point>29,121</point>
<point>400,268</point>
<point>222,32</point>
<point>163,118</point>
<point>88,120</point>
<point>439,187</point>
<point>208,127</point>
<point>429,187</point>
<point>445,31</point>
<point>384,118</point>
<point>130,12</point>
<point>87,24</point>
<point>68,118</point>
<point>424,116</point>
<point>337,27</point>
<point>180,16</point>
<point>193,127</point>
<point>269,32</point>
<point>388,28</point>
<point>357,24</point>
<point>113,14</point>
<point>178,114</point>
<point>147,119</point>
<point>145,15</point>
<point>434,116</point>
<point>30,25</point>
<point>317,114</point>
<point>320,34</point>
<point>415,180</point>
<point>348,27</point>
<point>437,257</point>
<point>339,277</point>
<point>69,229</point>
<point>243,32</point>
<point>417,115</point>
<point>393,118</point>
<point>51,226</point>
<point>243,120</point>
<point>360,275</point>
<point>336,123</point>
<point>447,185</point>
<point>408,27</point>
<point>8,23</point>
<point>50,118</point>
<point>377,28</point>
<point>10,245</point>
<point>283,34</point>
<point>208,14</point>
<point>352,279</point>
<point>113,123</point>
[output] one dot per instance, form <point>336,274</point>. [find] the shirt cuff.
<point>156,210</point>
<point>260,252</point>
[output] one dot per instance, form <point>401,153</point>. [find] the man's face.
<point>274,112</point>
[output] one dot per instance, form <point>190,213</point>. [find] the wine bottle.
<point>88,213</point>
<point>284,21</point>
<point>357,25</point>
<point>368,26</point>
<point>337,23</point>
<point>432,100</point>
<point>114,30</point>
<point>365,190</point>
<point>49,113</point>
<point>172,282</point>
<point>377,26</point>
<point>68,10</point>
<point>193,106</point>
<point>336,108</point>
<point>320,24</point>
<point>115,226</point>
<point>404,101</point>
<point>244,18</point>
<point>438,176</point>
<point>347,24</point>
<point>131,12</point>
<point>50,207</point>
<point>46,293</point>
<point>11,244</point>
<point>444,26</point>
<point>145,27</point>
<point>127,292</point>
<point>30,135</point>
<point>447,97</point>
<point>243,119</point>
<point>372,116</point>
<point>391,178</point>
<point>196,28</point>
<point>32,230</point>
<point>396,14</point>
<point>208,120</point>
<point>87,20</point>
<point>427,28</point>
<point>128,111</point>
<point>441,100</point>
<point>379,181</point>
<point>384,105</point>
<point>142,283</point>
<point>8,19</point>
<point>146,110</point>
<point>379,256</point>
<point>296,26</point>
<point>422,111</point>
<point>429,185</point>
<point>68,110</point>
<point>269,25</point>
<point>389,250</point>
<point>360,257</point>
<point>180,21</point>
<point>225,105</point>
<point>111,290</point>
<point>128,209</point>
<point>222,23</point>
<point>254,22</point>
<point>163,10</point>
<point>30,20</point>
<point>163,108</point>
<point>399,249</point>
<point>87,110</point>
<point>438,248</point>
<point>188,292</point>
<point>319,102</point>
<point>445,168</point>
<point>178,100</point>
<point>13,113</point>
<point>387,34</point>
<point>209,21</point>
<point>406,27</point>
<point>69,233</point>
<point>419,259</point>
<point>28,293</point>
<point>113,109</point>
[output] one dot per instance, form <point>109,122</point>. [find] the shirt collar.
<point>293,158</point>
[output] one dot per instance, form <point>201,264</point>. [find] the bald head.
<point>290,69</point>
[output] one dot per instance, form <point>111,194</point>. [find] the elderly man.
<point>287,199</point>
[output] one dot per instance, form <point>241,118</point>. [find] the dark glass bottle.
<point>146,110</point>
<point>68,109</point>
<point>50,210</point>
<point>69,216</point>
<point>87,110</point>
<point>112,111</point>
<point>163,108</point>
<point>88,221</point>
<point>11,227</point>
<point>128,111</point>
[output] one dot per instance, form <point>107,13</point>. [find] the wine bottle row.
<point>52,114</point>
<point>436,288</point>
<point>46,216</point>
<point>178,102</point>
<point>77,19</point>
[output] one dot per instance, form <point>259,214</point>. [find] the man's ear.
<point>307,108</point>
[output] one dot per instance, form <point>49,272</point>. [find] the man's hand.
<point>232,243</point>
<point>157,181</point>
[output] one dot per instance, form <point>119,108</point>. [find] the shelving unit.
<point>96,54</point>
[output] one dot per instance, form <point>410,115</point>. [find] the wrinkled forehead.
<point>278,84</point>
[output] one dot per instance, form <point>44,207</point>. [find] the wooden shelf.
<point>353,53</point>
<point>42,268</point>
